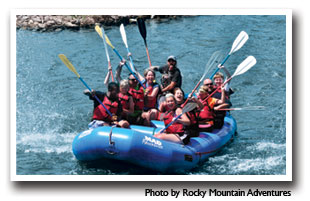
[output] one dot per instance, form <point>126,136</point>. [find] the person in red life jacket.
<point>151,89</point>
<point>125,99</point>
<point>111,102</point>
<point>137,93</point>
<point>175,132</point>
<point>219,114</point>
<point>206,114</point>
<point>150,96</point>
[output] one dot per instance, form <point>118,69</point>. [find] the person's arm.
<point>174,80</point>
<point>183,119</point>
<point>154,68</point>
<point>221,106</point>
<point>225,70</point>
<point>222,100</point>
<point>107,78</point>
<point>119,71</point>
<point>140,77</point>
<point>169,87</point>
<point>153,95</point>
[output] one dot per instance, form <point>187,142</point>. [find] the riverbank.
<point>75,22</point>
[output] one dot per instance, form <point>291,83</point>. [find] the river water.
<point>51,108</point>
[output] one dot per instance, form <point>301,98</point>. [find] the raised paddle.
<point>189,107</point>
<point>71,67</point>
<point>123,33</point>
<point>216,56</point>
<point>101,34</point>
<point>121,58</point>
<point>238,43</point>
<point>248,63</point>
<point>142,30</point>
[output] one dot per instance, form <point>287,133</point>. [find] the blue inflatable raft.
<point>138,146</point>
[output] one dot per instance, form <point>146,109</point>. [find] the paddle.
<point>101,34</point>
<point>216,56</point>
<point>238,43</point>
<point>123,33</point>
<point>248,63</point>
<point>121,58</point>
<point>71,67</point>
<point>244,108</point>
<point>142,30</point>
<point>187,108</point>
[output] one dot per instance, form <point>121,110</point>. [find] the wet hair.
<point>146,71</point>
<point>218,75</point>
<point>178,88</point>
<point>124,84</point>
<point>112,86</point>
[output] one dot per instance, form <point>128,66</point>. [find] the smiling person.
<point>175,132</point>
<point>219,115</point>
<point>110,100</point>
<point>206,114</point>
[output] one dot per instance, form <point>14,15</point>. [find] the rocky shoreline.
<point>75,22</point>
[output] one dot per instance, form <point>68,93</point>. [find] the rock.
<point>70,25</point>
<point>42,26</point>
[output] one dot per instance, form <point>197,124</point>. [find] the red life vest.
<point>101,114</point>
<point>176,127</point>
<point>150,103</point>
<point>138,97</point>
<point>124,100</point>
<point>207,113</point>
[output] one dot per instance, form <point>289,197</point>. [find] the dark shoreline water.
<point>51,108</point>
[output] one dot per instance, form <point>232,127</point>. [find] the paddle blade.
<point>239,41</point>
<point>214,59</point>
<point>108,41</point>
<point>64,59</point>
<point>189,107</point>
<point>98,30</point>
<point>142,28</point>
<point>248,63</point>
<point>123,33</point>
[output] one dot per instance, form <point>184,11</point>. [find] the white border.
<point>147,11</point>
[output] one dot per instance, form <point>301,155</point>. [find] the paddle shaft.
<point>221,65</point>
<point>172,122</point>
<point>192,92</point>
<point>96,97</point>
<point>106,50</point>
<point>147,53</point>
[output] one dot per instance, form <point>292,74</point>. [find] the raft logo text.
<point>215,193</point>
<point>152,142</point>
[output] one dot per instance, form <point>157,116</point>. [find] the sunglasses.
<point>133,79</point>
<point>209,84</point>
